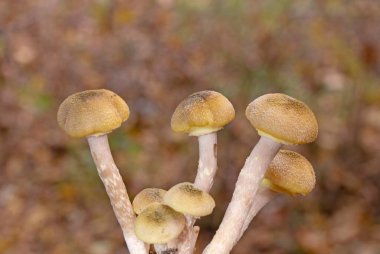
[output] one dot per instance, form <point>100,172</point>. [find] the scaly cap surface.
<point>92,112</point>
<point>187,199</point>
<point>202,113</point>
<point>290,173</point>
<point>283,118</point>
<point>147,197</point>
<point>159,223</point>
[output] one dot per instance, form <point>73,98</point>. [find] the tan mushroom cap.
<point>290,173</point>
<point>159,224</point>
<point>92,112</point>
<point>202,113</point>
<point>187,199</point>
<point>283,118</point>
<point>146,197</point>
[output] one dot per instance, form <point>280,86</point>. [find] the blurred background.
<point>155,53</point>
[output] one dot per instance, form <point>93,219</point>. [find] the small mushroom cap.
<point>283,118</point>
<point>202,113</point>
<point>159,223</point>
<point>146,197</point>
<point>187,199</point>
<point>92,112</point>
<point>290,173</point>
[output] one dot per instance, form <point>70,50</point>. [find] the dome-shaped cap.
<point>92,112</point>
<point>187,199</point>
<point>202,113</point>
<point>147,197</point>
<point>290,173</point>
<point>159,223</point>
<point>283,118</point>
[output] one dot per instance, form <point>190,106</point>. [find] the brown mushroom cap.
<point>187,199</point>
<point>290,173</point>
<point>159,223</point>
<point>283,118</point>
<point>147,197</point>
<point>202,113</point>
<point>92,112</point>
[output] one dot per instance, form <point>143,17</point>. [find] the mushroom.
<point>189,200</point>
<point>192,202</point>
<point>289,173</point>
<point>146,197</point>
<point>143,200</point>
<point>93,114</point>
<point>159,224</point>
<point>279,119</point>
<point>202,114</point>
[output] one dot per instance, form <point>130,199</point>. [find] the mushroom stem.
<point>161,248</point>
<point>245,189</point>
<point>187,239</point>
<point>193,239</point>
<point>207,165</point>
<point>263,197</point>
<point>168,248</point>
<point>117,193</point>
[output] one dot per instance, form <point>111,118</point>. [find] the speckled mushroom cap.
<point>290,173</point>
<point>92,112</point>
<point>283,118</point>
<point>202,113</point>
<point>146,197</point>
<point>159,223</point>
<point>187,199</point>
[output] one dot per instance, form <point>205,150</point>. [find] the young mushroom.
<point>159,224</point>
<point>289,173</point>
<point>147,197</point>
<point>187,199</point>
<point>279,119</point>
<point>194,203</point>
<point>93,114</point>
<point>143,200</point>
<point>202,114</point>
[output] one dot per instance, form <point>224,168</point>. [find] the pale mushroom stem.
<point>117,193</point>
<point>207,165</point>
<point>245,189</point>
<point>161,248</point>
<point>188,237</point>
<point>263,197</point>
<point>193,239</point>
<point>167,248</point>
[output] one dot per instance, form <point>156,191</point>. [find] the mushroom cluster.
<point>164,220</point>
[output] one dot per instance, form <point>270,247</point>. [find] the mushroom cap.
<point>159,224</point>
<point>283,118</point>
<point>146,197</point>
<point>202,113</point>
<point>187,199</point>
<point>92,112</point>
<point>290,173</point>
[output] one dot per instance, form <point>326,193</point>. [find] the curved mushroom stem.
<point>245,189</point>
<point>117,193</point>
<point>263,197</point>
<point>207,167</point>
